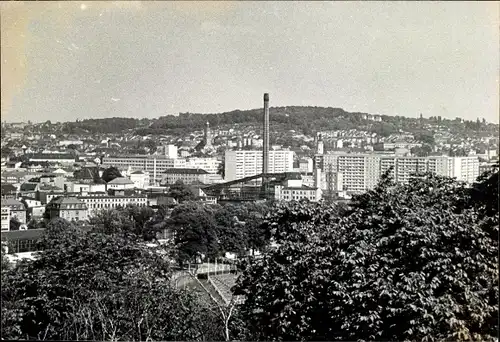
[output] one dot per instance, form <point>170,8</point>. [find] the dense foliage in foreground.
<point>95,286</point>
<point>405,262</point>
<point>401,262</point>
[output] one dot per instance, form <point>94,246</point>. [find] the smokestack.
<point>265,154</point>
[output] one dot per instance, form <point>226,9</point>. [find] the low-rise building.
<point>69,208</point>
<point>56,158</point>
<point>16,208</point>
<point>187,176</point>
<point>21,241</point>
<point>293,189</point>
<point>121,183</point>
<point>99,201</point>
<point>140,179</point>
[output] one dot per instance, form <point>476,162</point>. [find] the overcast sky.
<point>73,60</point>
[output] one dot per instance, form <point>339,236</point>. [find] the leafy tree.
<point>14,223</point>
<point>36,224</point>
<point>422,151</point>
<point>112,221</point>
<point>484,193</point>
<point>231,229</point>
<point>426,138</point>
<point>195,231</point>
<point>111,173</point>
<point>92,286</point>
<point>181,192</point>
<point>5,261</point>
<point>257,232</point>
<point>151,145</point>
<point>404,262</point>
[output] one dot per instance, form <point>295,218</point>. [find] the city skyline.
<point>75,60</point>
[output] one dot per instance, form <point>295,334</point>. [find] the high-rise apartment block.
<point>361,172</point>
<point>240,164</point>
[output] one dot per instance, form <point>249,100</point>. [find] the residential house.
<point>17,209</point>
<point>140,179</point>
<point>69,208</point>
<point>121,183</point>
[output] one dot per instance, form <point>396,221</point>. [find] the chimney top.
<point>266,96</point>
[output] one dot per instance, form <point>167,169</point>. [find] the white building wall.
<point>211,165</point>
<point>171,151</point>
<point>240,164</point>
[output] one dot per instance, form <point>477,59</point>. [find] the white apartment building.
<point>154,165</point>
<point>96,202</point>
<point>464,168</point>
<point>361,172</point>
<point>240,164</point>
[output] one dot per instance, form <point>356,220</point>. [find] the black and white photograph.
<point>250,170</point>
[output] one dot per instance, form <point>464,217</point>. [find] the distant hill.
<point>309,120</point>
<point>301,119</point>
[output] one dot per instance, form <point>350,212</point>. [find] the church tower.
<point>320,146</point>
<point>208,136</point>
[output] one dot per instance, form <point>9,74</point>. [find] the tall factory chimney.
<point>265,154</point>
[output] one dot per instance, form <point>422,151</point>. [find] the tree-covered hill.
<point>305,120</point>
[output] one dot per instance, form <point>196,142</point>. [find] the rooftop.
<point>51,156</point>
<point>66,200</point>
<point>7,202</point>
<point>121,180</point>
<point>29,186</point>
<point>30,234</point>
<point>176,170</point>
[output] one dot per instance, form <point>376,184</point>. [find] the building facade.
<point>211,165</point>
<point>154,165</point>
<point>68,208</point>
<point>361,172</point>
<point>96,202</point>
<point>187,176</point>
<point>16,209</point>
<point>120,183</point>
<point>140,179</point>
<point>241,164</point>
